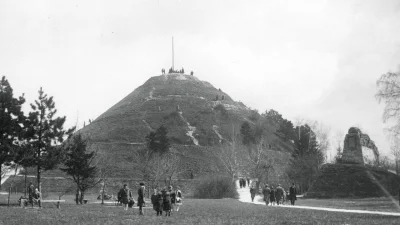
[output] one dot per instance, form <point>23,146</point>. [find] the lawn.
<point>225,211</point>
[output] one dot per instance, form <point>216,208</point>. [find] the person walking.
<point>125,194</point>
<point>253,190</point>
<point>248,182</point>
<point>272,196</point>
<point>167,203</point>
<point>278,194</point>
<point>156,203</point>
<point>293,192</point>
<point>173,197</point>
<point>266,193</point>
<point>141,202</point>
<point>179,197</point>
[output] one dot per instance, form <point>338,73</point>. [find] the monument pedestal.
<point>353,180</point>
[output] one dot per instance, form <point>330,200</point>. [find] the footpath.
<point>244,196</point>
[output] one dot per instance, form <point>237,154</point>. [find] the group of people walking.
<point>125,197</point>
<point>242,182</point>
<point>34,196</point>
<point>166,200</point>
<point>163,200</point>
<point>278,196</point>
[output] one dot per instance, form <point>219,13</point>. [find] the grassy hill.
<point>198,117</point>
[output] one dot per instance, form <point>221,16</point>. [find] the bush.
<point>215,187</point>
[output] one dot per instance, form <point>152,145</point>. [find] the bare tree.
<point>228,155</point>
<point>322,133</point>
<point>395,150</point>
<point>389,92</point>
<point>259,162</point>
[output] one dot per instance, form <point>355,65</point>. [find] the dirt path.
<point>244,196</point>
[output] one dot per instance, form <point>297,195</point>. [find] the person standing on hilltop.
<point>293,192</point>
<point>141,202</point>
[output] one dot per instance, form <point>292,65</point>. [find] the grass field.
<point>372,204</point>
<point>225,211</point>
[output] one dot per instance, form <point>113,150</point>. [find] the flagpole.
<point>172,53</point>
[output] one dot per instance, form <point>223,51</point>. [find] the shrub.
<point>222,109</point>
<point>215,187</point>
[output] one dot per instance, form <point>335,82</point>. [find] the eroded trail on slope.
<point>244,196</point>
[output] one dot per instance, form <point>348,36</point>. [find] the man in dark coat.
<point>141,192</point>
<point>173,197</point>
<point>167,202</point>
<point>292,194</point>
<point>155,200</point>
<point>278,194</point>
<point>125,195</point>
<point>253,191</point>
<point>31,193</point>
<point>266,192</point>
<point>272,195</point>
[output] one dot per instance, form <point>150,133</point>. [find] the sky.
<point>317,60</point>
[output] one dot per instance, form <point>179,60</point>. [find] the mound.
<point>353,180</point>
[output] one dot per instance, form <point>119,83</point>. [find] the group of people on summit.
<point>163,200</point>
<point>171,70</point>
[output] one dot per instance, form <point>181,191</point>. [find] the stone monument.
<point>352,149</point>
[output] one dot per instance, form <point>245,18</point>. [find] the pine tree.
<point>158,142</point>
<point>78,164</point>
<point>11,118</point>
<point>44,133</point>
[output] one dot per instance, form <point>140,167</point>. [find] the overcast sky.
<point>312,59</point>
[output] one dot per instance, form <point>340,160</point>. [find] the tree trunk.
<point>25,181</point>
<point>9,193</point>
<point>77,196</point>
<point>102,194</point>
<point>0,174</point>
<point>38,178</point>
<point>82,197</point>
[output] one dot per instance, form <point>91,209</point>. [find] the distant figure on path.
<point>266,192</point>
<point>141,192</point>
<point>125,194</point>
<point>253,190</point>
<point>248,182</point>
<point>279,194</point>
<point>272,196</point>
<point>191,73</point>
<point>293,192</point>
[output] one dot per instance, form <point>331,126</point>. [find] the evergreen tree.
<point>247,134</point>
<point>158,142</point>
<point>11,119</point>
<point>44,133</point>
<point>78,164</point>
<point>307,157</point>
